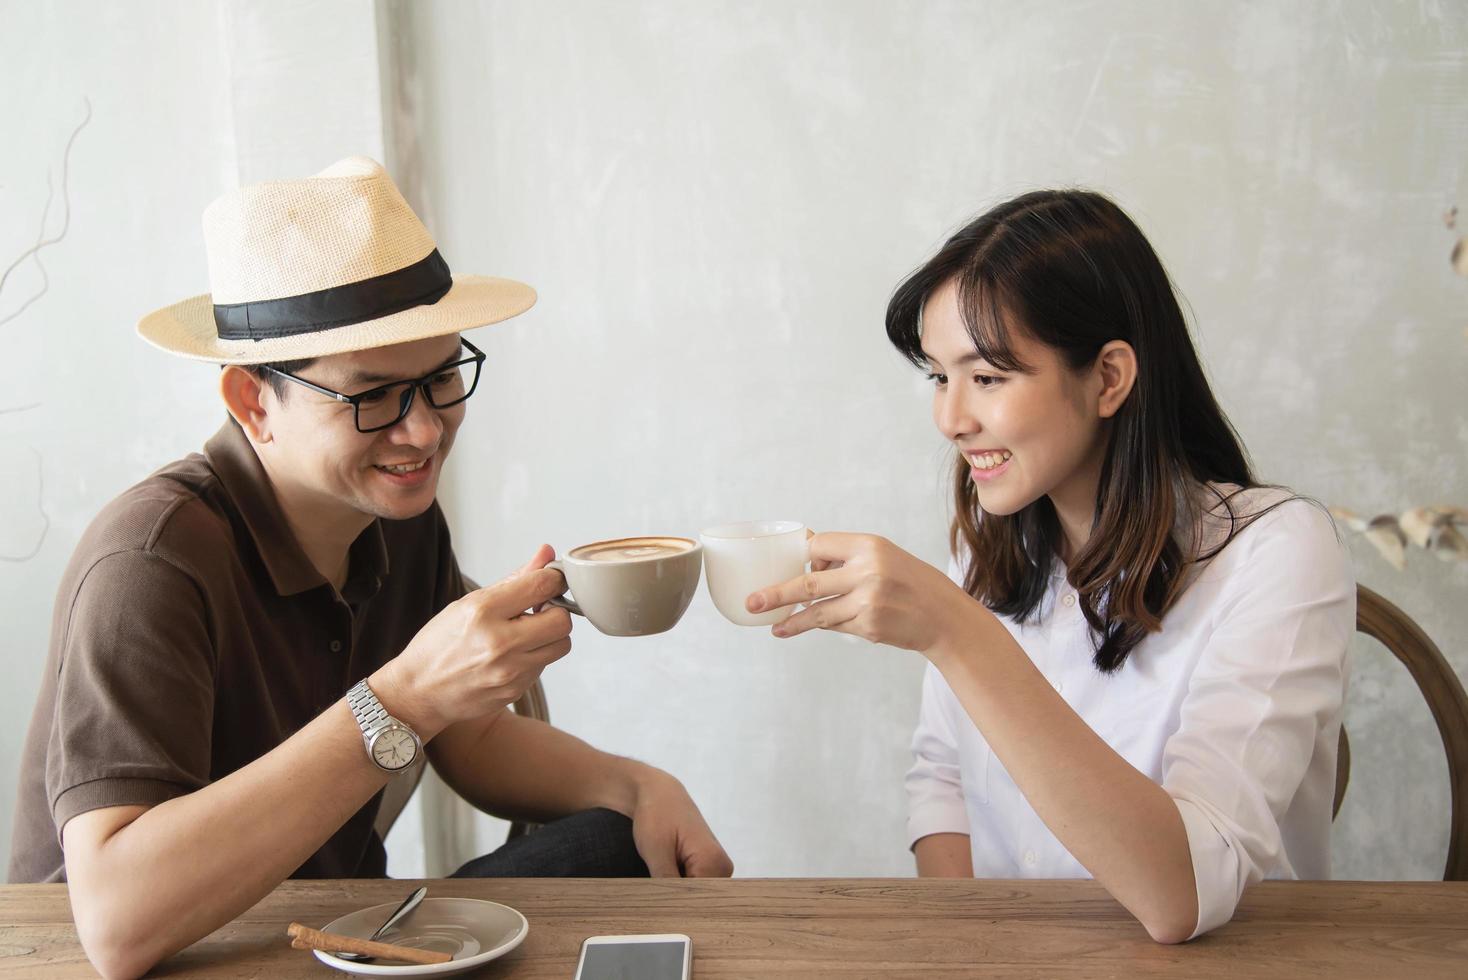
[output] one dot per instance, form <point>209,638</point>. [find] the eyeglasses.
<point>386,405</point>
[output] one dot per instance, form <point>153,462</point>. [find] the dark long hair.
<point>1071,270</point>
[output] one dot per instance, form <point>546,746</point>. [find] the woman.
<point>1137,666</point>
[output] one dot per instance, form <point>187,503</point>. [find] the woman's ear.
<point>245,400</point>
<point>1116,366</point>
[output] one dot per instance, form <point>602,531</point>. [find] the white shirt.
<point>1233,708</point>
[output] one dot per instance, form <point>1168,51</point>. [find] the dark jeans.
<point>590,844</point>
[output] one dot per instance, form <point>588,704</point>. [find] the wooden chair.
<point>532,705</point>
<point>1378,618</point>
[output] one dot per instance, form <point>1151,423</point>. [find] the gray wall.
<point>714,203</point>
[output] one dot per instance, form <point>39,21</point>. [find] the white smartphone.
<point>665,957</point>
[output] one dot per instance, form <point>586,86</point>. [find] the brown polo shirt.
<point>191,636</point>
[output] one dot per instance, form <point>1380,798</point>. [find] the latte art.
<point>632,549</point>
<point>631,586</point>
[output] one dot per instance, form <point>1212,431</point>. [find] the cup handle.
<point>563,600</point>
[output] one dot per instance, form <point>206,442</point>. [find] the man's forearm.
<point>1119,824</point>
<point>523,769</point>
<point>183,868</point>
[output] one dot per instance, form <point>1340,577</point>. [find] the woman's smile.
<point>986,465</point>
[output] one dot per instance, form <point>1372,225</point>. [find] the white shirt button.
<point>1070,599</point>
<point>1030,859</point>
<point>1059,685</point>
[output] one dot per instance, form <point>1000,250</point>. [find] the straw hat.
<point>332,263</point>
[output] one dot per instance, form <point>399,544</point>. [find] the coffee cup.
<point>631,586</point>
<point>749,556</point>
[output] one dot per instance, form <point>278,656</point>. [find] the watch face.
<point>394,748</point>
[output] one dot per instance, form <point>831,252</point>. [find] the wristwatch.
<point>391,745</point>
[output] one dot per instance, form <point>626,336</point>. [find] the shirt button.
<point>1059,685</point>
<point>336,646</point>
<point>1070,599</point>
<point>1030,858</point>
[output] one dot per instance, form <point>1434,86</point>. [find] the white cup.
<point>742,558</point>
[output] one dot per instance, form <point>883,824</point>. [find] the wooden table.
<point>837,928</point>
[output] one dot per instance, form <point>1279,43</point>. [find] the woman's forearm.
<point>944,856</point>
<point>1124,828</point>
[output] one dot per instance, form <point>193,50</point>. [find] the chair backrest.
<point>399,790</point>
<point>1378,618</point>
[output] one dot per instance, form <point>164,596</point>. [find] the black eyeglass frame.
<point>406,402</point>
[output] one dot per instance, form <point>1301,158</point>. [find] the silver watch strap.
<point>368,711</point>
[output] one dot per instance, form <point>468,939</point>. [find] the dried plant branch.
<point>1439,529</point>
<point>34,252</point>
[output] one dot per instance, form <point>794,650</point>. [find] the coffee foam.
<point>631,549</point>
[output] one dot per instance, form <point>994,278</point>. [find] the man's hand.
<point>480,653</point>
<point>671,834</point>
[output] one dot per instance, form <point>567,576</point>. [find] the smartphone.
<point>664,957</point>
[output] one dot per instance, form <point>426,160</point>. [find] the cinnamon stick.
<point>304,937</point>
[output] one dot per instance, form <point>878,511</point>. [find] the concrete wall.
<point>715,208</point>
<point>714,203</point>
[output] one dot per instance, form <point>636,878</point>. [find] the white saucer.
<point>470,930</point>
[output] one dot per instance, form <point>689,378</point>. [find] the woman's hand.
<point>866,586</point>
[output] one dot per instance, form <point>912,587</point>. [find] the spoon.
<point>409,904</point>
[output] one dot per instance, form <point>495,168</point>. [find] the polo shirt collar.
<point>245,482</point>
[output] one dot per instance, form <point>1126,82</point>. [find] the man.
<point>250,644</point>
